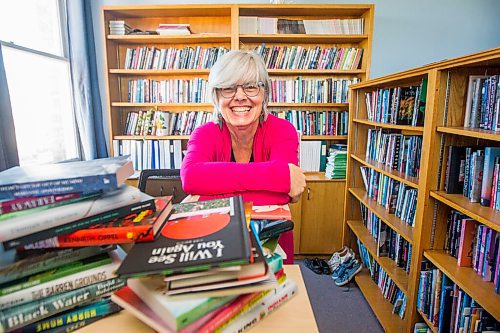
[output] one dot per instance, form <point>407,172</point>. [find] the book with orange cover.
<point>136,227</point>
<point>271,212</point>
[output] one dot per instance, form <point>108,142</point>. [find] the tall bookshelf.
<point>219,26</point>
<point>443,126</point>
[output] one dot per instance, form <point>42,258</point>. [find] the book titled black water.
<point>59,178</point>
<point>198,236</point>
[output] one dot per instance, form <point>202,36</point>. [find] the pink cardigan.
<point>208,172</point>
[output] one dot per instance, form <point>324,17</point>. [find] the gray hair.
<point>237,67</point>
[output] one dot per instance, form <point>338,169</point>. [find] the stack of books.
<point>204,272</point>
<point>173,29</point>
<point>119,27</point>
<point>336,162</point>
<point>64,205</point>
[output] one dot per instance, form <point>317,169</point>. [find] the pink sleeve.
<point>202,175</point>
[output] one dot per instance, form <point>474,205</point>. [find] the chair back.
<point>160,182</point>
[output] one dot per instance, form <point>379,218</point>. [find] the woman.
<point>245,151</point>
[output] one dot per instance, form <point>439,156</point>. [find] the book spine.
<point>67,218</point>
<point>60,272</point>
<point>22,204</point>
<point>93,237</point>
<point>19,316</point>
<point>87,184</point>
<point>45,262</point>
<point>78,324</point>
<point>75,316</point>
<point>268,304</point>
<point>60,285</point>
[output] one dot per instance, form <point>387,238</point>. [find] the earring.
<point>261,119</point>
<point>220,120</point>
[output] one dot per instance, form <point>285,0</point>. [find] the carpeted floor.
<point>338,309</point>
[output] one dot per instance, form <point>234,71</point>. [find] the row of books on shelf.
<point>317,122</point>
<point>474,172</point>
<point>168,91</point>
<point>151,154</point>
<point>181,278</point>
<point>172,58</point>
<point>272,25</point>
<point>151,122</point>
<point>482,108</point>
<point>396,197</point>
<point>399,105</point>
<point>302,90</point>
<point>448,307</point>
<point>336,162</point>
<point>389,242</point>
<point>397,151</point>
<point>388,288</point>
<point>299,57</point>
<point>474,245</point>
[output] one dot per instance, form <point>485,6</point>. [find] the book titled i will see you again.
<point>198,236</point>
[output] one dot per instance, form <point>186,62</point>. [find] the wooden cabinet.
<point>443,126</point>
<point>317,218</point>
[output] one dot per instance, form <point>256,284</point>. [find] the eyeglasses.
<point>250,89</point>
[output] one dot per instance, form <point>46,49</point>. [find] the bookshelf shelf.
<point>302,105</point>
<point>428,322</point>
<point>302,38</point>
<point>169,105</point>
<point>397,274</point>
<point>171,39</point>
<point>320,177</point>
<point>484,215</point>
<point>402,228</point>
<point>417,129</point>
<point>381,307</point>
<point>162,72</point>
<point>152,137</point>
<point>471,133</point>
<point>314,72</point>
<point>324,137</point>
<point>399,176</point>
<point>468,280</point>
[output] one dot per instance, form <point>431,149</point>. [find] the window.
<point>32,33</point>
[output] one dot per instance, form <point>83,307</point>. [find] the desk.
<point>293,316</point>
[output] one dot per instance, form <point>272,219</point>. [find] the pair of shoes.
<point>317,265</point>
<point>346,271</point>
<point>340,257</point>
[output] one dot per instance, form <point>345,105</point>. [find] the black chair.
<point>160,182</point>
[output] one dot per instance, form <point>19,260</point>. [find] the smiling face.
<point>241,111</point>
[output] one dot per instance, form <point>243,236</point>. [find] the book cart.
<point>443,125</point>
<point>219,26</point>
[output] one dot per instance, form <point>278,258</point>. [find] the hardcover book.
<point>198,236</point>
<point>141,226</point>
<point>60,178</point>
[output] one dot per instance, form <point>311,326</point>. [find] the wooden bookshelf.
<point>218,26</point>
<point>443,126</point>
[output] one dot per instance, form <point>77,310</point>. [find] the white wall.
<point>407,33</point>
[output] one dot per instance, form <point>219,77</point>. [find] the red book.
<point>16,205</point>
<point>467,234</point>
<point>137,227</point>
<point>271,212</point>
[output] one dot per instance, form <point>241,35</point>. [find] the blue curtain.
<point>87,100</point>
<point>8,144</point>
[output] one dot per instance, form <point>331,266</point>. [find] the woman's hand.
<point>297,182</point>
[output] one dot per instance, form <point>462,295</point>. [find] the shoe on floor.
<point>314,265</point>
<point>339,257</point>
<point>349,273</point>
<point>337,272</point>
